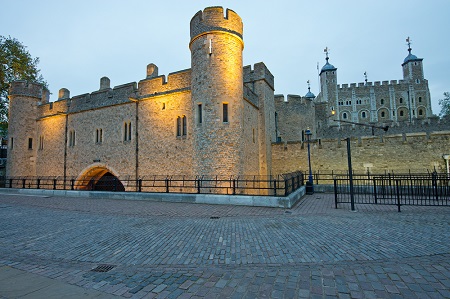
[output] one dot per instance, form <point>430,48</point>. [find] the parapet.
<point>176,81</point>
<point>213,19</point>
<point>259,72</point>
<point>29,89</point>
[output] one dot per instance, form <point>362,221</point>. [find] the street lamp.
<point>309,184</point>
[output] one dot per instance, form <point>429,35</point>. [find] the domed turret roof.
<point>410,57</point>
<point>328,67</point>
<point>309,95</point>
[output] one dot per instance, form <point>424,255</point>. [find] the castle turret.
<point>217,91</point>
<point>328,86</point>
<point>412,66</point>
<point>24,97</point>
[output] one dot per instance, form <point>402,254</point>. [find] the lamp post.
<point>309,184</point>
<point>446,158</point>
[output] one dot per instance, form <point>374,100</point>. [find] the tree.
<point>445,104</point>
<point>15,64</point>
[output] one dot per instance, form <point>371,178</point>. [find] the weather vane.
<point>326,50</point>
<point>408,40</point>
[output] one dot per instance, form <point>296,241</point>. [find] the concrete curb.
<point>286,202</point>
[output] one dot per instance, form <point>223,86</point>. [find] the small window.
<point>401,100</point>
<point>414,112</point>
<point>178,126</point>
<point>420,99</point>
<point>72,138</point>
<point>99,136</point>
<point>382,101</point>
<point>41,142</point>
<point>127,131</point>
<point>254,139</point>
<point>363,114</point>
<point>420,112</point>
<point>383,114</point>
<point>184,123</point>
<point>417,81</point>
<point>401,113</point>
<point>344,115</point>
<point>163,106</point>
<point>393,113</point>
<point>30,143</point>
<point>225,112</point>
<point>199,113</point>
<point>12,143</point>
<point>50,106</point>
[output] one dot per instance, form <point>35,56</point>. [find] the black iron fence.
<point>280,185</point>
<point>431,189</point>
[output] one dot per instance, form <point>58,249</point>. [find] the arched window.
<point>420,112</point>
<point>401,100</point>
<point>402,113</point>
<point>383,114</point>
<point>344,115</point>
<point>420,99</point>
<point>382,101</point>
<point>363,114</point>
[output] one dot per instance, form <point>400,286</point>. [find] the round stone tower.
<point>217,92</point>
<point>24,98</point>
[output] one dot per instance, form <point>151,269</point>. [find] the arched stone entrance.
<point>99,178</point>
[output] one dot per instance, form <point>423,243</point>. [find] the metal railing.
<point>280,185</point>
<point>431,189</point>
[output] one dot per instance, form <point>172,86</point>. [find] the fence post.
<point>115,184</point>
<point>38,184</point>
<point>23,183</point>
<point>275,187</point>
<point>398,195</point>
<point>234,186</point>
<point>375,190</point>
<point>198,186</point>
<point>434,182</point>
<point>10,183</point>
<point>335,194</point>
<point>72,184</point>
<point>167,185</point>
<point>140,185</point>
<point>54,184</point>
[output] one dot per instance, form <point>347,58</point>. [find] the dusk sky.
<point>78,42</point>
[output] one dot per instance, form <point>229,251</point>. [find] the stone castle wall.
<point>418,152</point>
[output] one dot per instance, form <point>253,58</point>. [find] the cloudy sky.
<point>78,42</point>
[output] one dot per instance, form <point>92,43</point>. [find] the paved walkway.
<point>53,246</point>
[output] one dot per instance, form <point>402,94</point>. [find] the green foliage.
<point>445,105</point>
<point>15,64</point>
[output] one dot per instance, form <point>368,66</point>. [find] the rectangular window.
<point>199,113</point>
<point>12,142</point>
<point>127,131</point>
<point>41,142</point>
<point>225,112</point>
<point>72,138</point>
<point>30,143</point>
<point>184,132</point>
<point>99,136</point>
<point>178,126</point>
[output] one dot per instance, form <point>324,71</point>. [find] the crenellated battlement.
<point>176,81</point>
<point>213,19</point>
<point>29,89</point>
<point>259,72</point>
<point>371,84</point>
<point>292,98</point>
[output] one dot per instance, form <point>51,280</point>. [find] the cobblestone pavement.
<point>177,250</point>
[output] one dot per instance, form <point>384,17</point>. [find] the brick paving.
<point>177,250</point>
